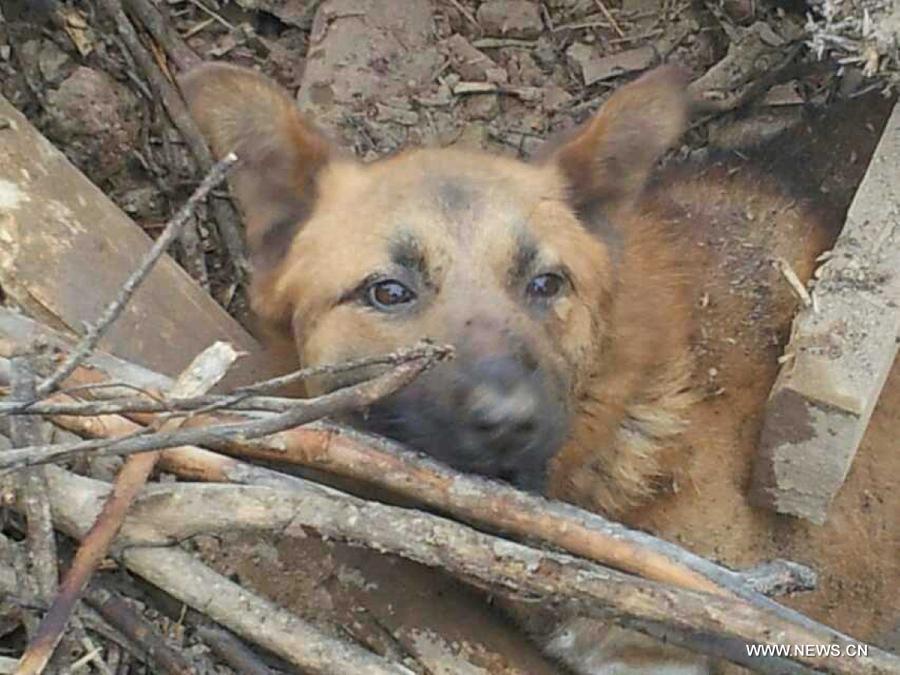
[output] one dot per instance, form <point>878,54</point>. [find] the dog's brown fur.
<point>626,375</point>
<point>643,259</point>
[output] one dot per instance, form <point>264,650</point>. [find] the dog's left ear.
<point>280,153</point>
<point>281,157</point>
<point>607,161</point>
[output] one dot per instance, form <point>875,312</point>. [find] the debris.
<point>96,116</point>
<point>518,19</point>
<point>469,62</point>
<point>755,56</point>
<point>783,94</point>
<point>841,351</point>
<point>595,68</point>
<point>78,30</point>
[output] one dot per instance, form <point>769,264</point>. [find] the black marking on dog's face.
<point>524,259</point>
<point>407,252</point>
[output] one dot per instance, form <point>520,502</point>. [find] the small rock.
<point>739,11</point>
<point>469,62</point>
<point>579,54</point>
<point>481,106</point>
<point>386,113</point>
<point>97,118</point>
<point>510,18</point>
<point>523,70</point>
<point>784,94</point>
<point>473,135</point>
<point>53,63</point>
<point>596,68</point>
<point>545,55</point>
<point>497,75</point>
<point>555,97</point>
<point>141,201</point>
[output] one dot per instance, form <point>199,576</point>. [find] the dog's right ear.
<point>280,154</point>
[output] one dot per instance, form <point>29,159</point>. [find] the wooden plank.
<point>65,250</point>
<point>840,353</point>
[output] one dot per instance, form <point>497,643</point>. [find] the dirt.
<point>502,75</point>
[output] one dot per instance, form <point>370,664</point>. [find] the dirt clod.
<point>95,117</point>
<point>510,18</point>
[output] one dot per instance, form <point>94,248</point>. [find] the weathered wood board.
<point>65,250</point>
<point>840,353</point>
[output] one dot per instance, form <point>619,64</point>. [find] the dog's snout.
<point>502,407</point>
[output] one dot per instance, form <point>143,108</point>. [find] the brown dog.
<point>568,287</point>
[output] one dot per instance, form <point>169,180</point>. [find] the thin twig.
<point>153,20</point>
<point>337,402</point>
<point>234,652</point>
<point>164,91</point>
<point>138,630</point>
<point>96,331</point>
<point>609,17</point>
<point>423,350</point>
<point>41,540</point>
<point>466,13</point>
<point>204,372</point>
<point>793,281</point>
<point>241,398</point>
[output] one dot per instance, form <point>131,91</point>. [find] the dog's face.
<point>501,259</point>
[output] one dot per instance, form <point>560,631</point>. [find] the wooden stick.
<point>153,20</point>
<point>337,402</point>
<point>204,372</point>
<point>225,217</point>
<point>179,511</point>
<point>500,507</point>
<point>242,398</point>
<point>232,651</point>
<point>299,643</point>
<point>144,634</point>
<point>41,540</point>
<point>95,331</point>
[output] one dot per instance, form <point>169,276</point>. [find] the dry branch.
<point>123,618</point>
<point>75,501</point>
<point>232,651</point>
<point>95,331</point>
<point>177,512</point>
<point>337,402</point>
<point>241,399</point>
<point>301,644</point>
<point>502,508</point>
<point>225,217</point>
<point>41,540</point>
<point>205,371</point>
<point>161,30</point>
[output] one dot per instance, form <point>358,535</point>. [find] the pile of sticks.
<point>491,535</point>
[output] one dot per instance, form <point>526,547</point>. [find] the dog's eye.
<point>389,294</point>
<point>545,286</point>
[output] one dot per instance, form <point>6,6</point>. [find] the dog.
<point>568,286</point>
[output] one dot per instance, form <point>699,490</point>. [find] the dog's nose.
<point>502,406</point>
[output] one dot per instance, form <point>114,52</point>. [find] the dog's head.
<point>510,262</point>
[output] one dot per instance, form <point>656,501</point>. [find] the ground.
<point>502,75</point>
